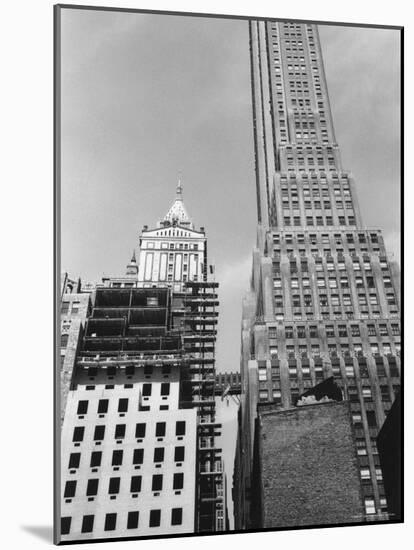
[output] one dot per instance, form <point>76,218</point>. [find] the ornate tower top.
<point>177,214</point>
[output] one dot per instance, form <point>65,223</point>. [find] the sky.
<point>147,97</point>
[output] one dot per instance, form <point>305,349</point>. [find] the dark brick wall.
<point>308,471</point>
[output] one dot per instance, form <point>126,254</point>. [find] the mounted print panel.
<point>229,340</point>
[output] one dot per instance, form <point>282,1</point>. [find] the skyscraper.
<point>324,298</point>
<point>139,455</point>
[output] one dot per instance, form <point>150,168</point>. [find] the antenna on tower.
<point>179,191</point>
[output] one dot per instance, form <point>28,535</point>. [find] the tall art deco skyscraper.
<point>324,298</point>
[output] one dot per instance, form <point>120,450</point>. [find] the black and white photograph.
<point>228,289</point>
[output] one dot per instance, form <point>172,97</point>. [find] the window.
<point>70,489</point>
<point>385,393</point>
<point>78,434</point>
<point>365,473</point>
<point>64,340</point>
<point>148,370</point>
<point>103,406</point>
<point>92,487</point>
<point>75,307</point>
<point>146,390</point>
<point>140,430</point>
<point>99,433</point>
<point>165,388</point>
<point>123,405</point>
<point>74,460</point>
<point>110,522</point>
<point>180,427</point>
<point>373,300</point>
<point>159,454</point>
<point>378,474</point>
<point>356,418</point>
<point>157,482</point>
<point>114,483</point>
<point>371,330</point>
<point>366,393</point>
<point>160,429</point>
<point>82,407</point>
<point>65,308</point>
<point>138,457</point>
<point>372,420</point>
<point>332,283</point>
<point>117,457</point>
<point>176,516</point>
<point>65,525</point>
<point>155,518</point>
<point>178,482</point>
<point>349,371</point>
<point>136,482</point>
<point>277,283</point>
<point>361,447</point>
<point>133,518</point>
<point>370,505</point>
<point>87,524</point>
<point>262,374</point>
<point>120,431</point>
<point>96,458</point>
<point>355,330</point>
<point>179,454</point>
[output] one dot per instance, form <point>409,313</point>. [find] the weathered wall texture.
<point>309,469</point>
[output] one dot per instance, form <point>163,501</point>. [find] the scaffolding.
<point>194,310</point>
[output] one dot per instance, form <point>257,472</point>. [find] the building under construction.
<point>139,434</point>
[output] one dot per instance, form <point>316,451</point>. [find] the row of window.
<point>332,331</point>
<point>120,430</point>
<point>331,281</point>
<point>315,350</point>
<point>336,368</point>
<point>111,521</point>
<point>114,485</point>
<point>317,205</point>
<point>66,307</point>
<point>337,314</point>
<point>325,238</point>
<point>318,220</point>
<point>141,407</point>
<point>118,457</point>
<point>146,389</point>
<point>103,406</point>
<point>130,369</point>
<point>285,178</point>
<point>172,246</point>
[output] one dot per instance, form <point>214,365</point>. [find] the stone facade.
<point>324,298</point>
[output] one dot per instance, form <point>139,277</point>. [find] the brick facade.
<point>308,466</point>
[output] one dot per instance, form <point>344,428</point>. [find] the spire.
<point>179,191</point>
<point>132,268</point>
<point>177,214</point>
